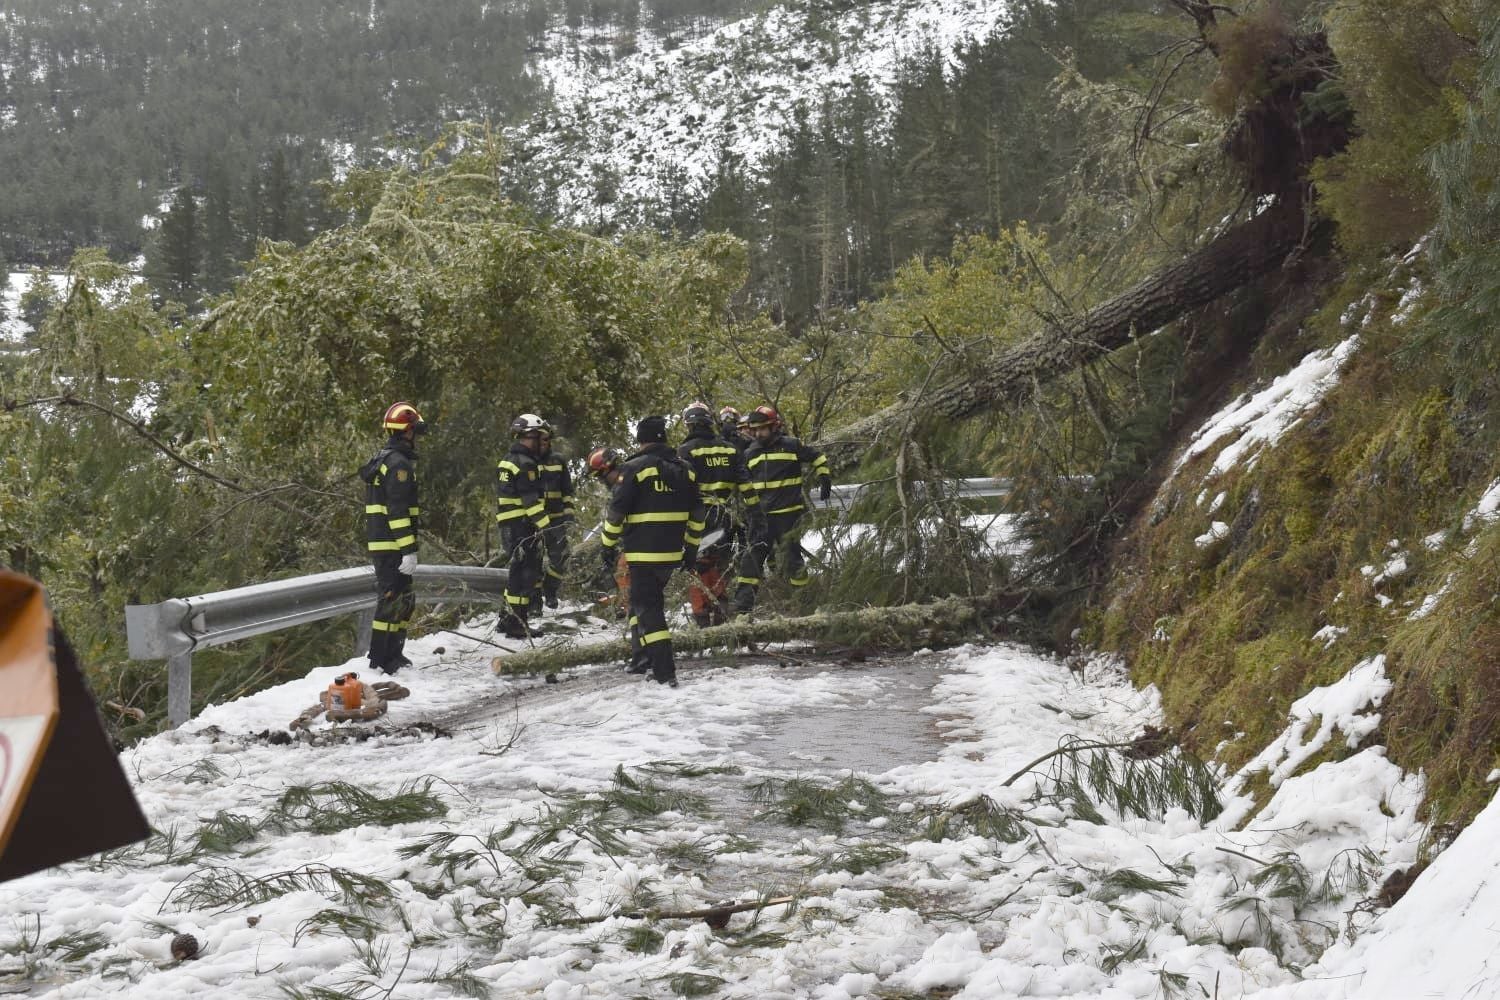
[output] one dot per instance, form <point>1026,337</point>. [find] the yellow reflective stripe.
<point>773,456</point>
<point>786,510</point>
<point>376,508</point>
<point>383,546</point>
<point>384,468</point>
<point>714,501</point>
<point>820,461</point>
<point>692,539</point>
<point>380,626</point>
<point>635,620</point>
<point>509,515</point>
<point>654,557</point>
<point>508,501</point>
<point>799,581</point>
<point>553,494</point>
<point>718,487</point>
<point>657,517</point>
<point>611,528</point>
<point>695,525</point>
<point>643,474</point>
<point>752,501</point>
<point>664,635</point>
<point>517,598</point>
<point>553,572</point>
<point>542,521</point>
<point>751,580</point>
<point>713,449</point>
<point>414,511</point>
<point>399,522</point>
<point>609,542</point>
<point>509,466</point>
<point>406,540</point>
<point>776,484</point>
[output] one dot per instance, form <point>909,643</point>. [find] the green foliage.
<point>1466,247</point>
<point>142,449</point>
<point>1407,67</point>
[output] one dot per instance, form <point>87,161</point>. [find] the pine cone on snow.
<point>184,947</point>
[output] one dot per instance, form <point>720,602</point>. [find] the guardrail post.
<point>179,689</point>
<point>363,626</point>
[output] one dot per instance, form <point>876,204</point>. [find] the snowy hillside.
<point>642,125</point>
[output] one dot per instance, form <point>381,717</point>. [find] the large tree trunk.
<point>909,624</point>
<point>1236,258</point>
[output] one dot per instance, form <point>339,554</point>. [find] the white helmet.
<point>529,423</point>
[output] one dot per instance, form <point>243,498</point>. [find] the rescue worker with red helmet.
<point>604,467</point>
<point>557,495</point>
<point>720,473</point>
<point>391,517</point>
<point>522,517</point>
<point>774,464</point>
<point>655,516</point>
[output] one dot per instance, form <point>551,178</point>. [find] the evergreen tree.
<point>172,264</point>
<point>221,243</point>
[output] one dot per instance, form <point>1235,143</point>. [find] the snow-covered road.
<point>503,856</point>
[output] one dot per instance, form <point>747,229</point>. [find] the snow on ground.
<point>12,328</point>
<point>1254,422</point>
<point>548,813</point>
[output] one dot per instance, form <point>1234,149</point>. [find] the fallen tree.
<point>1239,256</point>
<point>1274,136</point>
<point>908,625</point>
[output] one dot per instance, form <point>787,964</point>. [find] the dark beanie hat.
<point>651,430</point>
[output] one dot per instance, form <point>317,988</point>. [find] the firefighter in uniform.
<point>720,473</point>
<point>604,467</point>
<point>656,517</point>
<point>522,516</point>
<point>391,514</point>
<point>774,465</point>
<point>729,430</point>
<point>557,495</point>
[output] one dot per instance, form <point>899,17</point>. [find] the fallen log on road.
<point>907,625</point>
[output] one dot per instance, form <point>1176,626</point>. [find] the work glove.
<point>408,564</point>
<point>825,488</point>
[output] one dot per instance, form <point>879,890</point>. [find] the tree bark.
<point>1234,259</point>
<point>909,623</point>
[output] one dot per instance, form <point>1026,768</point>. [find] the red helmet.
<point>603,461</point>
<point>763,416</point>
<point>400,416</point>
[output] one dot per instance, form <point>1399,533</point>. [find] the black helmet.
<point>528,423</point>
<point>651,430</point>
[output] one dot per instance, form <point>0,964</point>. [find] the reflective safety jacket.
<point>557,486</point>
<point>775,471</point>
<point>519,490</point>
<point>718,468</point>
<point>391,510</point>
<point>656,514</point>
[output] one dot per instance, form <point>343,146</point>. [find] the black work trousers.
<point>650,639</point>
<point>778,534</point>
<point>524,543</point>
<point>555,541</point>
<point>394,605</point>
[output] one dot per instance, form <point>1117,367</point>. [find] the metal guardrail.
<point>844,496</point>
<point>173,629</point>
